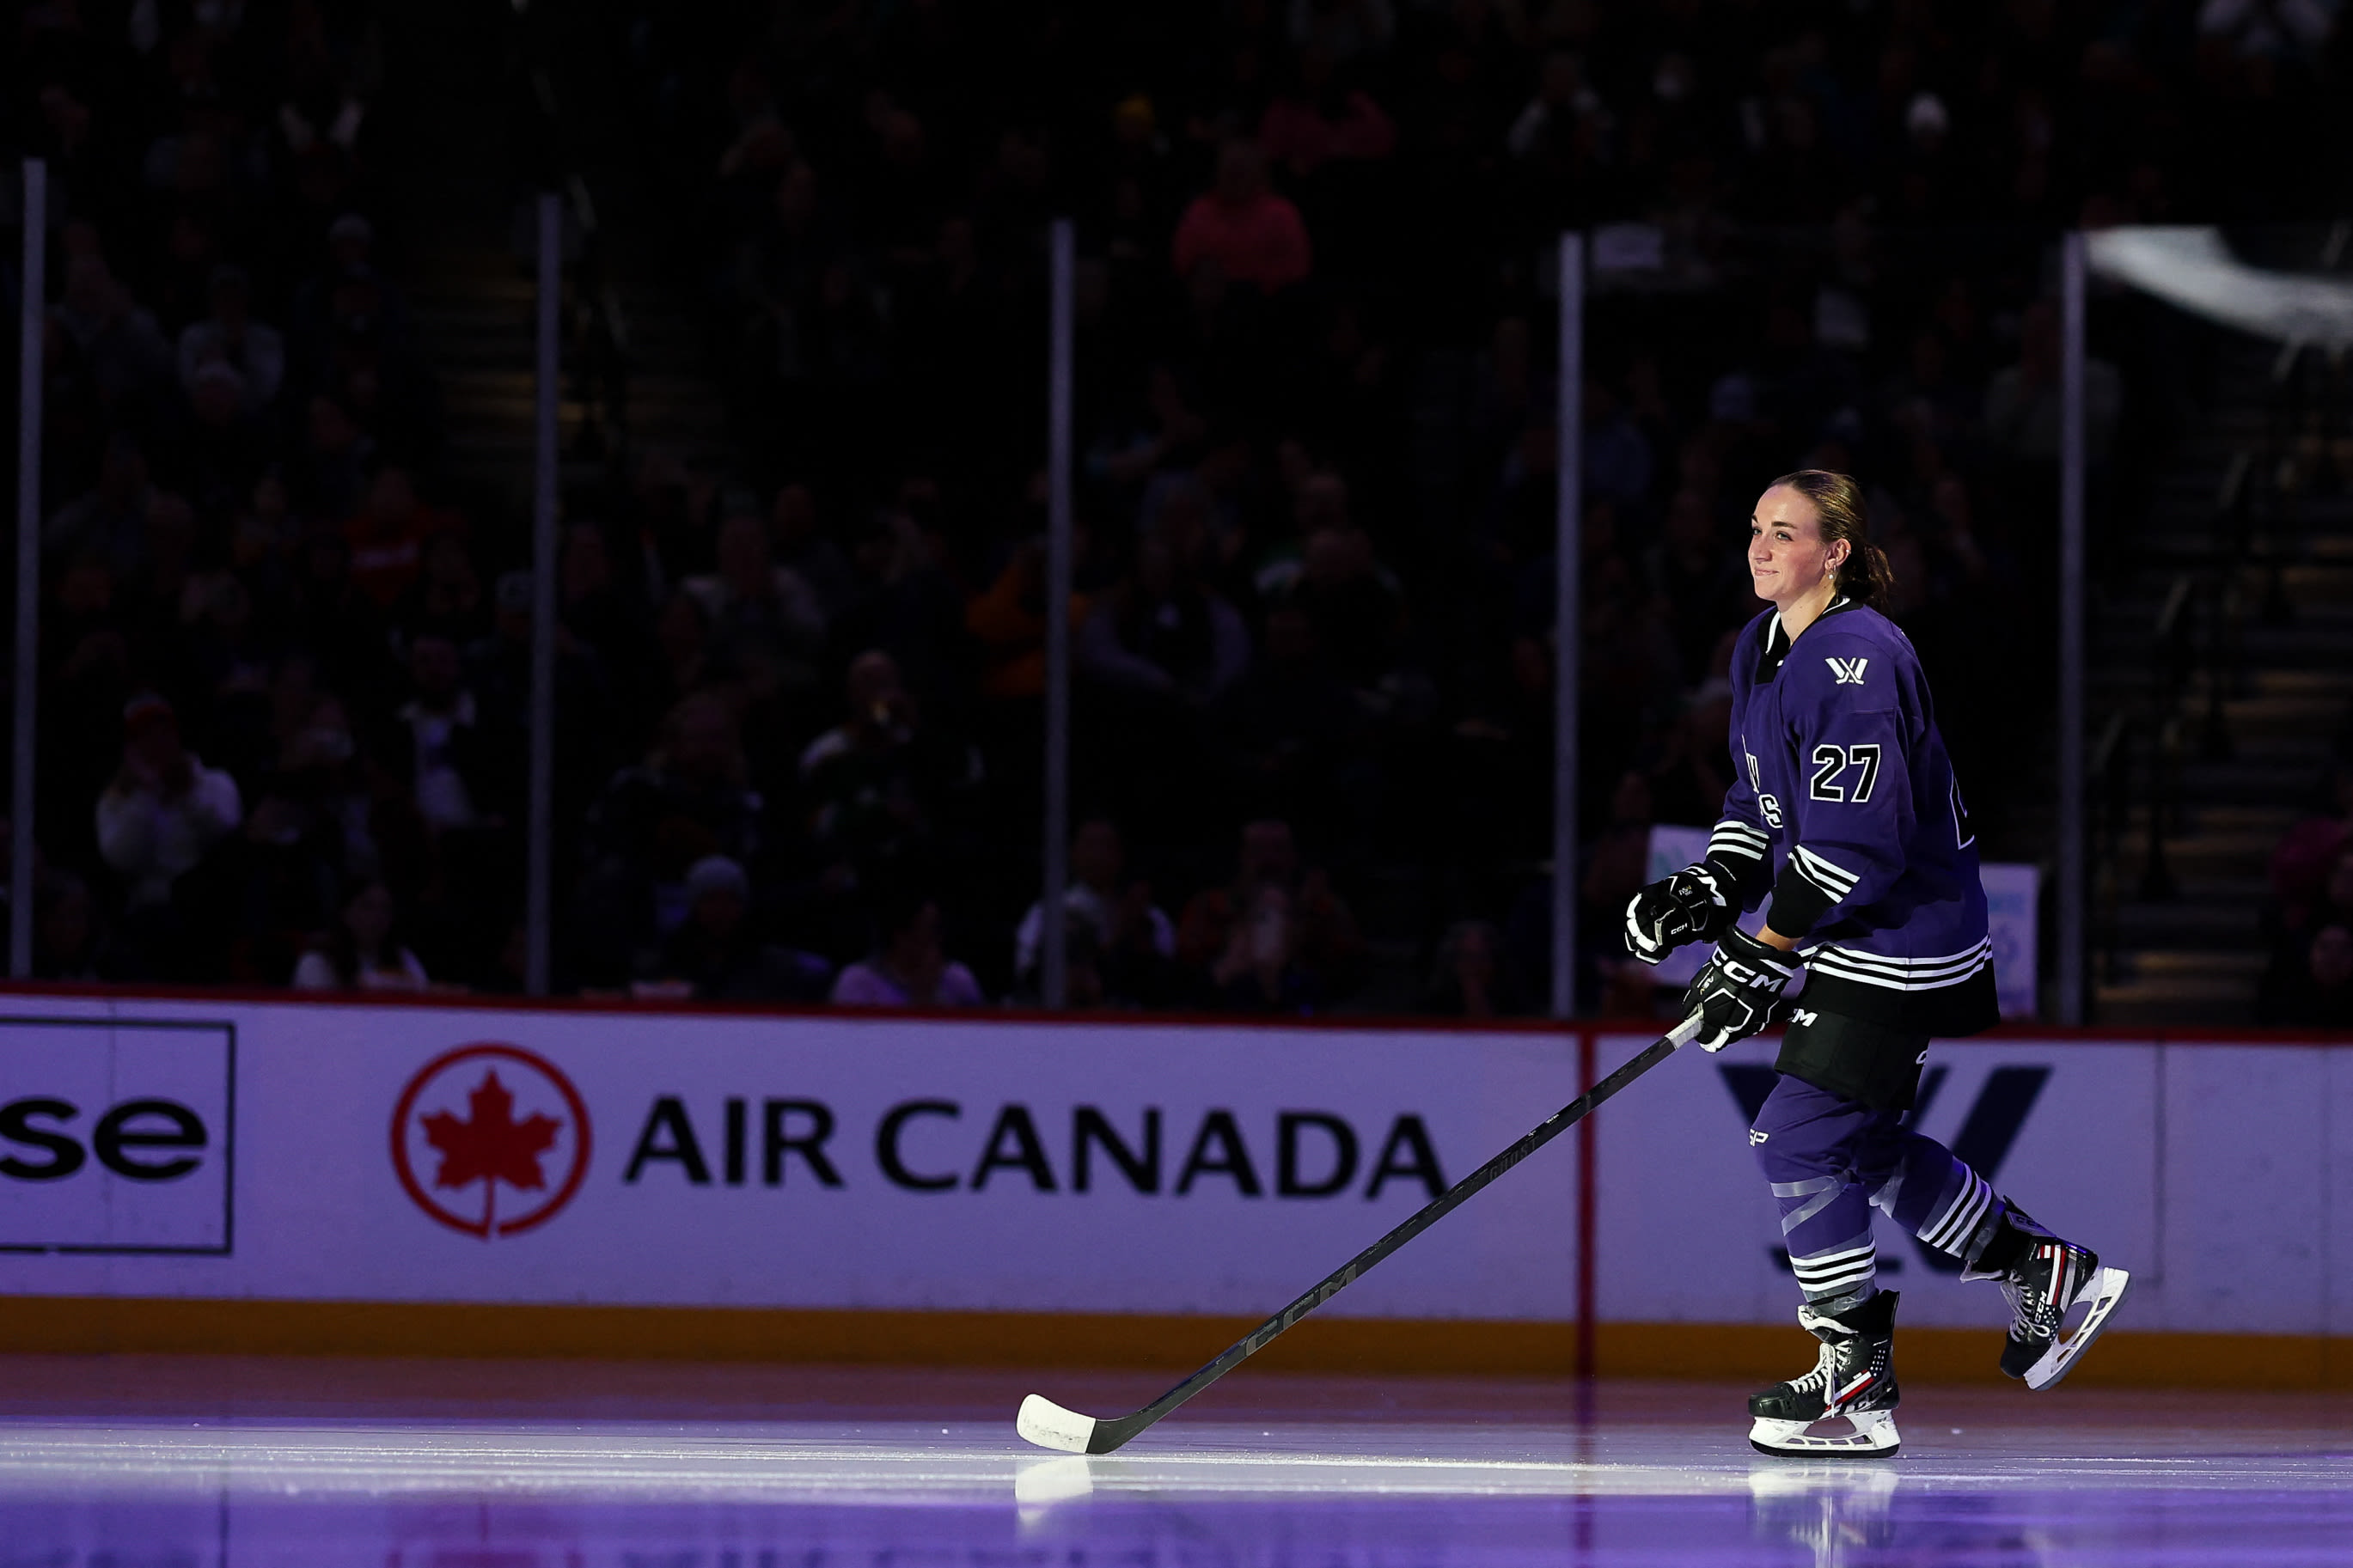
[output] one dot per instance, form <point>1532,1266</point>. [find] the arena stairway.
<point>485,148</point>
<point>478,303</point>
<point>2182,941</point>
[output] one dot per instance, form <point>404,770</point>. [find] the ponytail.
<point>1865,576</point>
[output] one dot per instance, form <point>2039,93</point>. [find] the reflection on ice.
<point>1829,1510</point>
<point>645,1494</point>
<point>1052,1480</point>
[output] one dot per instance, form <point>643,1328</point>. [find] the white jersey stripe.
<point>1823,872</point>
<point>1896,963</point>
<point>1843,963</point>
<point>1834,958</point>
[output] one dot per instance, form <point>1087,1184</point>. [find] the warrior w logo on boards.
<point>1989,1129</point>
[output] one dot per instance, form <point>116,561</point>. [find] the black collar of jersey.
<point>1776,641</point>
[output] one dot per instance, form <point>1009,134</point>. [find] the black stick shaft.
<point>1110,1434</point>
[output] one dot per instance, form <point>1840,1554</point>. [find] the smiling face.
<point>1787,557</point>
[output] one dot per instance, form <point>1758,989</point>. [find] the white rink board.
<point>2221,1175</point>
<point>322,1215</point>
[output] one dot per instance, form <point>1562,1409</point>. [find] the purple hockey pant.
<point>1832,1160</point>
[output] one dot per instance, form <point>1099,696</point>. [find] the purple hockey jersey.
<point>1843,803</point>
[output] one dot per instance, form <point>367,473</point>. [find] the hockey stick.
<point>1048,1424</point>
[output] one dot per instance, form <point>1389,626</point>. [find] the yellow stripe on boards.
<point>86,1325</point>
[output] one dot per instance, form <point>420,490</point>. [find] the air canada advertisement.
<point>305,1152</point>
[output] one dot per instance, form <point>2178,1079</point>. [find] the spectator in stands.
<point>363,952</point>
<point>1618,864</point>
<point>230,336</point>
<point>718,953</point>
<point>388,534</point>
<point>767,627</point>
<point>442,756</point>
<point>1007,619</point>
<point>1129,943</point>
<point>2318,992</point>
<point>681,634</point>
<point>1695,575</point>
<point>264,888</point>
<point>1618,462</point>
<point>1354,606</point>
<point>224,446</point>
<point>691,797</point>
<point>1245,231</point>
<point>240,505</point>
<point>801,548</point>
<point>116,338</point>
<point>2022,402</point>
<point>908,967</point>
<point>1164,636</point>
<point>1468,979</point>
<point>68,937</point>
<point>1278,938</point>
<point>499,672</point>
<point>1344,29</point>
<point>875,781</point>
<point>351,290</point>
<point>165,808</point>
<point>343,629</point>
<point>2308,902</point>
<point>446,600</point>
<point>2311,855</point>
<point>1293,718</point>
<point>608,620</point>
<point>330,471</point>
<point>108,522</point>
<point>1321,119</point>
<point>1163,432</point>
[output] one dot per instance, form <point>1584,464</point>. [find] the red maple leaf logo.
<point>490,1146</point>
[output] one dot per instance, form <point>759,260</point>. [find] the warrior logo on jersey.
<point>1846,672</point>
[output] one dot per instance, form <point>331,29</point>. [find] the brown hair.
<point>1865,576</point>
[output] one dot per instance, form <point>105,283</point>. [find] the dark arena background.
<point>737,729</point>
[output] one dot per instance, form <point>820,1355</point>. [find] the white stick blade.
<point>1049,1426</point>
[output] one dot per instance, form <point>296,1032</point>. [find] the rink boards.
<point>201,1173</point>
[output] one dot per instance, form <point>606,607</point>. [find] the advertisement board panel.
<point>634,1159</point>
<point>117,1136</point>
<point>309,1152</point>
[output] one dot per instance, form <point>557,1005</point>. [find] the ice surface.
<point>1291,1473</point>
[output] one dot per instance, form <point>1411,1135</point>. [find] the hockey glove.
<point>1736,994</point>
<point>1693,905</point>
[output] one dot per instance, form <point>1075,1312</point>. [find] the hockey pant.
<point>1832,1160</point>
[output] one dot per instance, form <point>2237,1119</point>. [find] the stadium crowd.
<point>800,700</point>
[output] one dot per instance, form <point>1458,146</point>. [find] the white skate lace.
<point>1825,1373</point>
<point>1822,1381</point>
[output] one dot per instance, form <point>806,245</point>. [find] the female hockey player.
<point>1844,806</point>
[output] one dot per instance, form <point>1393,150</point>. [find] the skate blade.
<point>2107,1289</point>
<point>1873,1436</point>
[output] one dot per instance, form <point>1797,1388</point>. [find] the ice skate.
<point>2049,1278</point>
<point>1853,1378</point>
